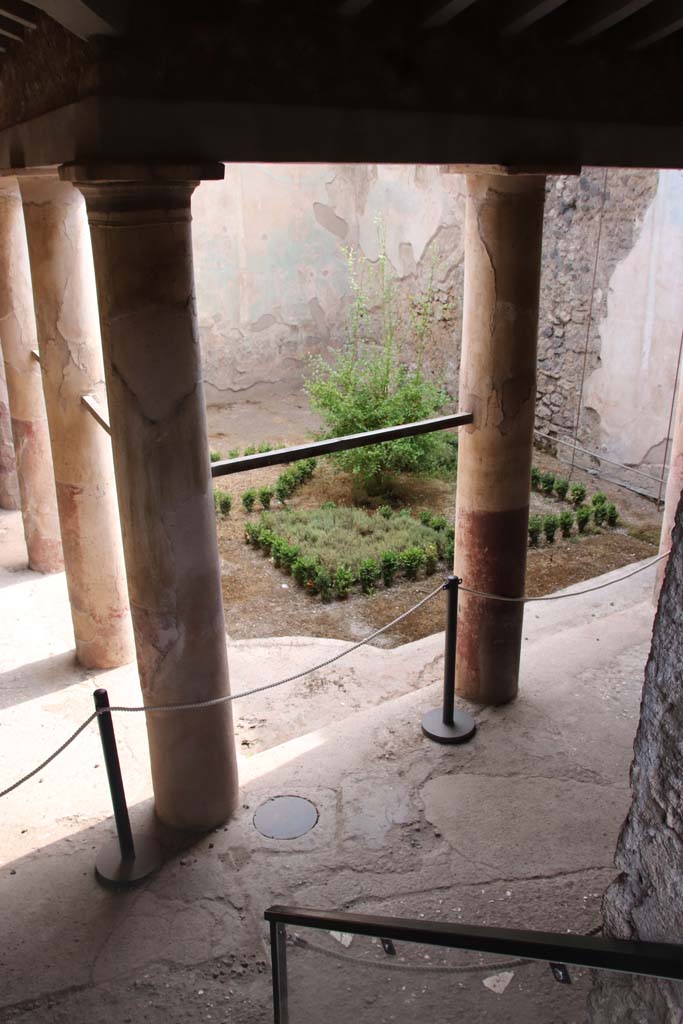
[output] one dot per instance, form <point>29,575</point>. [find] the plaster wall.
<point>273,285</point>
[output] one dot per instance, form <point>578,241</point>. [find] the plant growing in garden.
<point>386,511</point>
<point>599,499</point>
<point>249,499</point>
<point>250,450</point>
<point>388,564</point>
<point>566,522</point>
<point>535,478</point>
<point>551,525</point>
<point>577,494</point>
<point>368,386</point>
<point>215,456</point>
<point>561,487</point>
<point>534,529</point>
<point>323,583</point>
<point>368,574</point>
<point>342,581</point>
<point>547,483</point>
<point>599,513</point>
<point>583,517</point>
<point>234,453</point>
<point>264,447</point>
<point>431,559</point>
<point>411,561</point>
<point>611,514</point>
<point>265,496</point>
<point>222,502</point>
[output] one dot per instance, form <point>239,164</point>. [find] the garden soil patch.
<point>260,601</point>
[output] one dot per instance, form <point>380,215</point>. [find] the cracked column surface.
<point>674,489</point>
<point>71,361</point>
<point>25,390</point>
<point>9,487</point>
<point>503,233</point>
<point>142,245</point>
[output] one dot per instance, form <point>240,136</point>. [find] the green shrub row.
<point>234,453</point>
<point>284,486</point>
<point>318,575</point>
<point>549,484</point>
<point>601,512</point>
<point>222,502</point>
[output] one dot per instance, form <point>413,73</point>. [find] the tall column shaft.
<point>71,360</point>
<point>503,233</point>
<point>142,247</point>
<point>674,489</point>
<point>25,390</point>
<point>9,487</point>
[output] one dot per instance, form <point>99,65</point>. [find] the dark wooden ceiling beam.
<point>20,12</point>
<point>662,21</point>
<point>11,30</point>
<point>527,14</point>
<point>604,15</point>
<point>350,8</point>
<point>445,12</point>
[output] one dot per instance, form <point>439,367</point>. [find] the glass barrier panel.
<point>337,978</point>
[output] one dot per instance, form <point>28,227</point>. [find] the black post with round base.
<point>122,861</point>
<point>446,724</point>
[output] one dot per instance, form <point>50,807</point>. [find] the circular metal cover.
<point>285,817</point>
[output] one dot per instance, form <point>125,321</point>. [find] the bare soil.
<point>260,601</point>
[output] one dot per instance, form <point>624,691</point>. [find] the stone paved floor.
<point>516,828</point>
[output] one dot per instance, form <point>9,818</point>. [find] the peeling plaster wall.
<point>272,280</point>
<point>273,285</point>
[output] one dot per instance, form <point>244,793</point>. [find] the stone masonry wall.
<point>273,286</point>
<point>646,900</point>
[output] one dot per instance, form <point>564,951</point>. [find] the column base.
<point>112,869</point>
<point>462,730</point>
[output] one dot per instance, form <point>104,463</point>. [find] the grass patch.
<point>331,550</point>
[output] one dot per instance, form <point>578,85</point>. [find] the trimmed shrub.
<point>598,499</point>
<point>304,571</point>
<point>411,561</point>
<point>265,496</point>
<point>551,524</point>
<point>234,453</point>
<point>249,499</point>
<point>577,494</point>
<point>534,529</point>
<point>385,511</point>
<point>547,483</point>
<point>342,581</point>
<point>264,447</point>
<point>431,559</point>
<point>215,456</point>
<point>583,517</point>
<point>426,517</point>
<point>250,450</point>
<point>388,564</point>
<point>599,513</point>
<point>323,583</point>
<point>561,487</point>
<point>368,574</point>
<point>566,522</point>
<point>439,523</point>
<point>222,502</point>
<point>535,478</point>
<point>611,514</point>
<point>252,534</point>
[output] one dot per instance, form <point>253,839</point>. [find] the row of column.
<point>109,309</point>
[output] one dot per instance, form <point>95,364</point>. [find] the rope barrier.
<point>228,698</point>
<point>198,705</point>
<point>559,597</point>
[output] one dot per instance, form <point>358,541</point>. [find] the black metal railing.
<point>338,444</point>
<point>652,959</point>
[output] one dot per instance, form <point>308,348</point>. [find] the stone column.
<point>25,389</point>
<point>9,488</point>
<point>503,232</point>
<point>142,246</point>
<point>71,361</point>
<point>674,489</point>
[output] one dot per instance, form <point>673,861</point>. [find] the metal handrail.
<point>654,959</point>
<point>329,445</point>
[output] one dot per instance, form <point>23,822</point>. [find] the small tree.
<point>561,487</point>
<point>566,522</point>
<point>534,529</point>
<point>551,525</point>
<point>577,494</point>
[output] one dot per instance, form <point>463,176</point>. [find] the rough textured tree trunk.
<point>646,901</point>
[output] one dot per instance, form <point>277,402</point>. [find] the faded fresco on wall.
<point>273,285</point>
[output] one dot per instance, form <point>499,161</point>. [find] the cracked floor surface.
<point>516,828</point>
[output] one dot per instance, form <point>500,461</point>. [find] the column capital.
<point>99,172</point>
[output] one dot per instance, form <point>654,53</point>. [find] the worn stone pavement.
<point>516,828</point>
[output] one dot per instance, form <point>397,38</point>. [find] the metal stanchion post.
<point>447,724</point>
<point>123,861</point>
